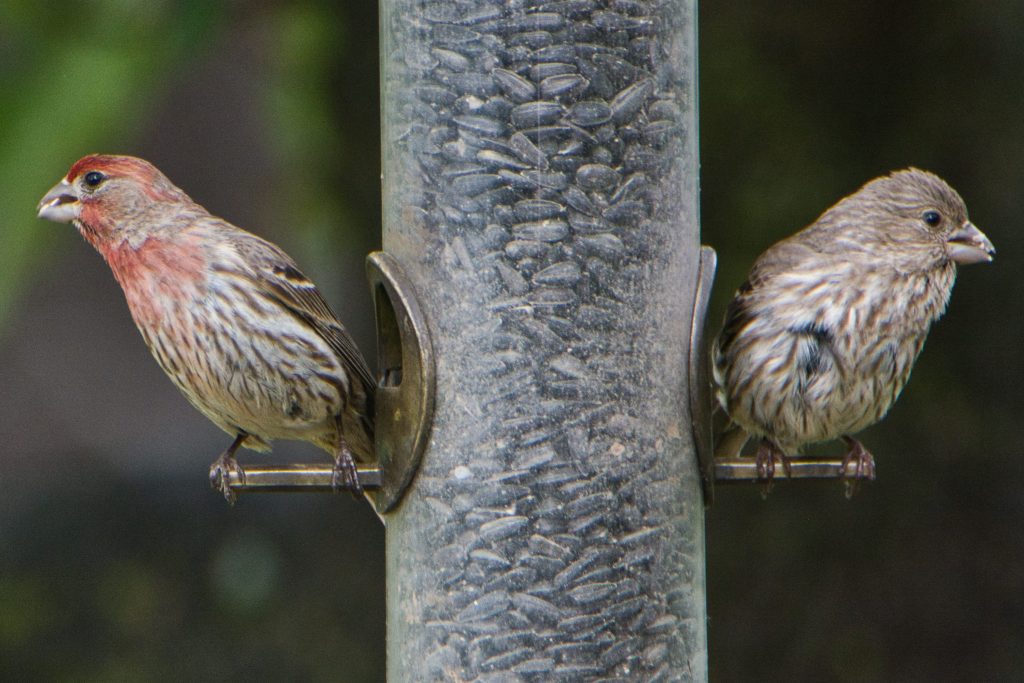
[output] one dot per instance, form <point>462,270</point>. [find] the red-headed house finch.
<point>237,327</point>
<point>820,339</point>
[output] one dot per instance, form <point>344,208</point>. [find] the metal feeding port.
<point>701,405</point>
<point>404,403</point>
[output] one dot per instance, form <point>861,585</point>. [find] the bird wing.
<point>282,279</point>
<point>784,256</point>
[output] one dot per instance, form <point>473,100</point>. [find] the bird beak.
<point>969,245</point>
<point>60,204</point>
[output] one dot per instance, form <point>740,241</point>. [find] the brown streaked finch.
<point>229,317</point>
<point>819,341</point>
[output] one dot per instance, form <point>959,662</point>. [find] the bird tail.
<point>731,441</point>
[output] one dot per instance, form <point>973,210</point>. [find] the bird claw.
<point>863,466</point>
<point>220,470</point>
<point>766,456</point>
<point>345,475</point>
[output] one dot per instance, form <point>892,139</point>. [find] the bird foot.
<point>767,454</point>
<point>345,474</point>
<point>220,470</point>
<point>862,462</point>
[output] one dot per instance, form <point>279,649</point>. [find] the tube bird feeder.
<point>541,198</point>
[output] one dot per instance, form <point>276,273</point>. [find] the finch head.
<point>103,194</point>
<point>912,218</point>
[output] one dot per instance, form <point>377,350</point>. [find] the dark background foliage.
<point>117,563</point>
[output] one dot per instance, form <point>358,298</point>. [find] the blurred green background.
<point>116,562</point>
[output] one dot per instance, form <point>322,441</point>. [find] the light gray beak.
<point>60,204</point>
<point>969,245</point>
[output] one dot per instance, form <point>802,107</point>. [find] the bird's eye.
<point>932,218</point>
<point>94,178</point>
